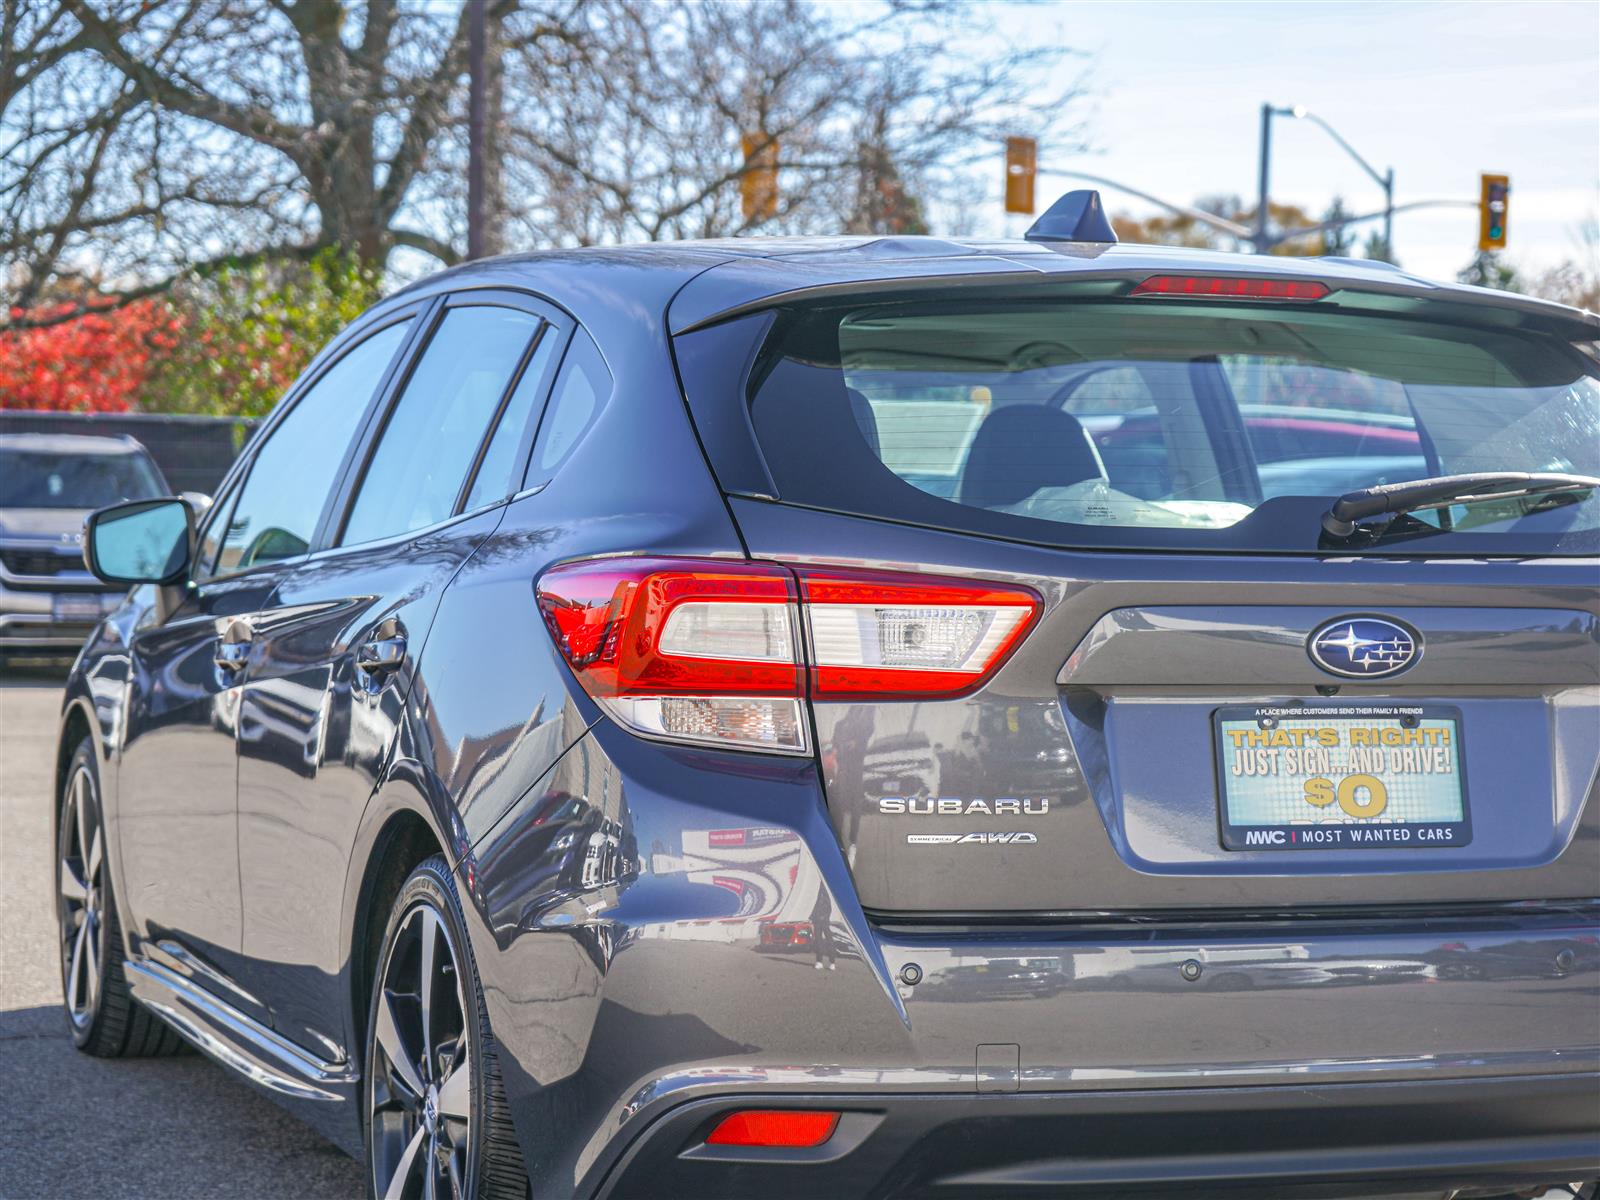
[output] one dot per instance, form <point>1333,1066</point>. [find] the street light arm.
<point>1381,180</point>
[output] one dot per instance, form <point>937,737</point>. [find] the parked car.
<point>570,621</point>
<point>49,483</point>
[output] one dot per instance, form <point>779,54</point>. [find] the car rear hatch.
<point>1222,705</point>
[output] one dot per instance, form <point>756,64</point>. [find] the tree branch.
<point>428,244</point>
<point>251,121</point>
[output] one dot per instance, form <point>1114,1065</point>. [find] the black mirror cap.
<point>127,509</point>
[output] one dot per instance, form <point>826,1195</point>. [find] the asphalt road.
<point>75,1126</point>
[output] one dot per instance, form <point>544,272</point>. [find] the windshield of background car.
<point>32,479</point>
<point>1155,424</point>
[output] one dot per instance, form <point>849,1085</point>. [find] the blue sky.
<point>1440,91</point>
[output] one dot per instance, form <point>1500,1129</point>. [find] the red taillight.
<point>908,636</point>
<point>707,651</point>
<point>1230,288</point>
<point>774,1127</point>
<point>643,626</point>
<point>693,650</point>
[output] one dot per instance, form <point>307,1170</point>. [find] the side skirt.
<point>325,1095</point>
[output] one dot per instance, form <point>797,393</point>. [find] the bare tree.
<point>634,129</point>
<point>140,137</point>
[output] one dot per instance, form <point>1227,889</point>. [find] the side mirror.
<point>145,541</point>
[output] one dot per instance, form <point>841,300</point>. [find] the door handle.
<point>378,656</point>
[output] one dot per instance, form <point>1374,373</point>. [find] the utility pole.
<point>1263,242</point>
<point>1260,245</point>
<point>1388,213</point>
<point>476,128</point>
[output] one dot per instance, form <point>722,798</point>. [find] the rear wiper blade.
<point>1392,499</point>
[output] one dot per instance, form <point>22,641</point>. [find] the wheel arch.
<point>77,723</point>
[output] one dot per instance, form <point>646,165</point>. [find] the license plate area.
<point>68,608</point>
<point>1340,777</point>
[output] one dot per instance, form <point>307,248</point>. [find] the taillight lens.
<point>694,650</point>
<point>705,651</point>
<point>908,637</point>
<point>1229,287</point>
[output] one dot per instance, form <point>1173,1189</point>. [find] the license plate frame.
<point>1327,825</point>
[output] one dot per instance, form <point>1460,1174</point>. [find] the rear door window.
<point>581,390</point>
<point>1178,425</point>
<point>500,472</point>
<point>431,438</point>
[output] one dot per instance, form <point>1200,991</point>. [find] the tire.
<point>105,1020</point>
<point>435,1102</point>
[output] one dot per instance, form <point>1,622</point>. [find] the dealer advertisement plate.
<point>1341,777</point>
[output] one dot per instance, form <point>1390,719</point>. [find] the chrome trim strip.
<point>189,966</point>
<point>234,1039</point>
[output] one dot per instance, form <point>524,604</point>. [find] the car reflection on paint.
<point>905,764</point>
<point>1046,765</point>
<point>1000,979</point>
<point>1545,959</point>
<point>286,723</point>
<point>781,936</point>
<point>1242,969</point>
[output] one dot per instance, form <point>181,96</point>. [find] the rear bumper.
<point>1309,1140</point>
<point>636,916</point>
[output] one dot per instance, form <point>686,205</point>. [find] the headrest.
<point>1021,448</point>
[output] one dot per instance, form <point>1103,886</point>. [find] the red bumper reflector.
<point>774,1127</point>
<point>1230,288</point>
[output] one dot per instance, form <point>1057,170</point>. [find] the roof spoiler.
<point>1076,217</point>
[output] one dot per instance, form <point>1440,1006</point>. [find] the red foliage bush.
<point>94,363</point>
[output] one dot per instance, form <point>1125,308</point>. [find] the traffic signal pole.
<point>1022,167</point>
<point>1246,233</point>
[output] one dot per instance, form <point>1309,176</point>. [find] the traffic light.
<point>1022,155</point>
<point>758,186</point>
<point>1494,205</point>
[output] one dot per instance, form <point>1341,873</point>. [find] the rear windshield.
<point>32,479</point>
<point>1156,424</point>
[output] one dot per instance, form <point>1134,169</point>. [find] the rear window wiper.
<point>1390,500</point>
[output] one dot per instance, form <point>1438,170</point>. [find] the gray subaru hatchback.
<point>877,717</point>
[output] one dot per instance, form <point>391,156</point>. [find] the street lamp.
<point>1299,113</point>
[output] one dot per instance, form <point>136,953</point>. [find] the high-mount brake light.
<point>1226,287</point>
<point>701,650</point>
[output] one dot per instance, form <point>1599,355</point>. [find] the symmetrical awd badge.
<point>1363,647</point>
